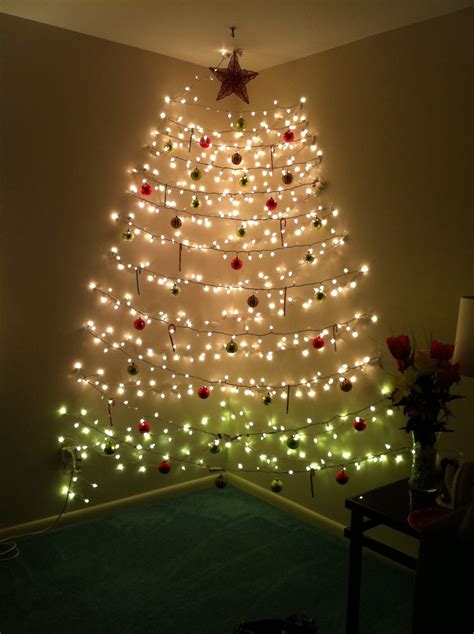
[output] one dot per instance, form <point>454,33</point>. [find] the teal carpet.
<point>196,564</point>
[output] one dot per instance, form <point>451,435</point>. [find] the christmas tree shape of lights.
<point>227,339</point>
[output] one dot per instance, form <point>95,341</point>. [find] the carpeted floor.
<point>196,564</point>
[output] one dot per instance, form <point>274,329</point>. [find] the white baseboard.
<point>89,512</point>
<point>301,512</point>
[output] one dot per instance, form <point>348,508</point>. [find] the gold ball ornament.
<point>241,231</point>
<point>276,485</point>
<point>196,174</point>
<point>128,235</point>
<point>317,223</point>
<point>292,443</point>
<point>267,399</point>
<point>110,448</point>
<point>240,124</point>
<point>168,147</point>
<point>195,203</point>
<point>309,257</point>
<point>175,290</point>
<point>132,369</point>
<point>244,180</point>
<point>320,296</point>
<point>231,347</point>
<point>287,178</point>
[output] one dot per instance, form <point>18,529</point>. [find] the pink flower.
<point>441,351</point>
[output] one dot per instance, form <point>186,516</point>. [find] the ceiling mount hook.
<point>232,30</point>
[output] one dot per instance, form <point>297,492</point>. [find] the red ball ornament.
<point>236,264</point>
<point>345,385</point>
<point>204,392</point>
<point>146,189</point>
<point>359,423</point>
<point>221,482</point>
<point>342,476</point>
<point>236,158</point>
<point>271,204</point>
<point>252,301</point>
<point>139,324</point>
<point>318,343</point>
<point>164,467</point>
<point>144,427</point>
<point>288,136</point>
<point>204,142</point>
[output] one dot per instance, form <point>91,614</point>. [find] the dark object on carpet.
<point>291,625</point>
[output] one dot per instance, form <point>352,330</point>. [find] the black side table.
<point>388,505</point>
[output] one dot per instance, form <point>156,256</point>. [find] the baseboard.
<point>301,512</point>
<point>90,512</point>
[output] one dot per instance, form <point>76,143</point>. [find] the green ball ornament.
<point>195,203</point>
<point>214,448</point>
<point>196,174</point>
<point>240,124</point>
<point>309,257</point>
<point>276,485</point>
<point>128,235</point>
<point>132,369</point>
<point>241,231</point>
<point>317,223</point>
<point>267,399</point>
<point>168,147</point>
<point>320,296</point>
<point>110,448</point>
<point>292,443</point>
<point>231,347</point>
<point>244,181</point>
<point>175,290</point>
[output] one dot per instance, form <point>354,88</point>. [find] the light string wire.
<point>233,335</point>
<point>267,128</point>
<point>231,287</point>
<point>240,219</point>
<point>239,247</point>
<point>252,112</point>
<point>281,190</point>
<point>223,147</point>
<point>12,550</point>
<point>166,455</point>
<point>225,382</point>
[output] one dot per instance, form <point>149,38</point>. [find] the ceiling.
<point>270,31</point>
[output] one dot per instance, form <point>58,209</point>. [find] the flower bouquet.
<point>423,391</point>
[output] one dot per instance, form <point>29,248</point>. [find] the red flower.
<point>448,373</point>
<point>400,349</point>
<point>441,351</point>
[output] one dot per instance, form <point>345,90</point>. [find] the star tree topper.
<point>233,78</point>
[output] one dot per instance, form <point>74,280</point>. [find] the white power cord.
<point>11,550</point>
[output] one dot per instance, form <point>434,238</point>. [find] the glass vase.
<point>423,476</point>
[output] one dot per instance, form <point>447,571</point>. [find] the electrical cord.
<point>11,550</point>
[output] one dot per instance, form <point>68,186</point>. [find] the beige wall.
<point>392,113</point>
<point>77,112</point>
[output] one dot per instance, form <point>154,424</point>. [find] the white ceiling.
<point>270,31</point>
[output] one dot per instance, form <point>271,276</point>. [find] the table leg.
<point>355,568</point>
